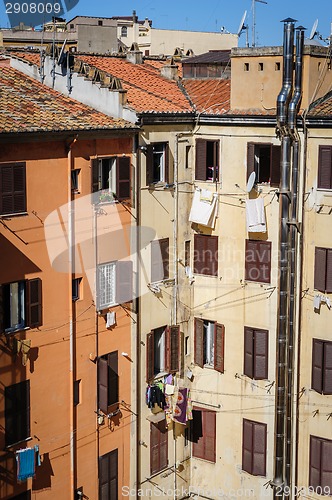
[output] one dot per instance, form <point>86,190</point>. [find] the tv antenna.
<point>243,27</point>
<point>253,41</point>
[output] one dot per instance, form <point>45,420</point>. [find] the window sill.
<point>15,330</point>
<point>17,214</point>
<point>9,446</point>
<point>204,460</point>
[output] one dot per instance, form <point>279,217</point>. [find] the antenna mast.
<point>253,40</point>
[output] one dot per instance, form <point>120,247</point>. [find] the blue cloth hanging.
<point>25,460</point>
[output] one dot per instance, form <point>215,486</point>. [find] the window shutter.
<point>251,271</point>
<point>219,346</point>
<point>206,254</point>
<point>167,349</point>
<point>149,356</point>
<point>249,352</point>
<point>6,190</point>
<point>317,365</point>
<point>113,378</point>
<point>259,449</point>
<point>263,261</point>
<point>95,175</point>
<point>108,476</point>
<point>212,247</point>
<point>327,376</point>
<point>104,477</point>
<point>34,289</point>
<point>124,281</point>
<point>123,178</point>
<point>315,462</point>
<point>164,248</point>
<point>200,170</point>
<point>103,385</point>
<point>209,434</point>
<point>163,446</point>
<point>247,438</point>
<point>325,167</point>
<point>175,348</point>
<point>320,269</point>
<point>275,166</point>
<point>199,342</point>
<point>198,434</point>
<point>167,166</point>
<point>159,260</point>
<point>12,188</point>
<point>113,472</point>
<point>199,248</point>
<point>326,465</point>
<point>19,184</point>
<point>158,447</point>
<point>2,323</point>
<point>250,159</point>
<point>17,412</point>
<point>260,354</point>
<point>149,164</point>
<point>328,285</point>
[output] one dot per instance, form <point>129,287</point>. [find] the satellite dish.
<point>242,26</point>
<point>313,31</point>
<point>251,182</point>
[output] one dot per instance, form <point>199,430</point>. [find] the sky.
<point>211,15</point>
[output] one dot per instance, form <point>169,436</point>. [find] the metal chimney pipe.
<point>295,101</point>
<point>284,209</point>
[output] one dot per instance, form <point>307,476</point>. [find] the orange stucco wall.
<point>24,256</point>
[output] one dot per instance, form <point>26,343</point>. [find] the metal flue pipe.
<point>296,98</point>
<point>284,209</point>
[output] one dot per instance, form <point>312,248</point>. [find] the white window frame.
<point>159,150</point>
<point>16,300</point>
<point>106,285</point>
<point>159,349</point>
<point>111,187</point>
<point>208,350</point>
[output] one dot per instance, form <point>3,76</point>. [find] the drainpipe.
<point>139,389</point>
<point>175,258</point>
<point>284,205</point>
<point>294,228</point>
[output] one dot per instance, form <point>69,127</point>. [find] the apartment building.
<point>66,321</point>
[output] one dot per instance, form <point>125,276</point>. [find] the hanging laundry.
<point>204,212</point>
<point>110,319</point>
<point>206,195</point>
<point>189,412</point>
<point>155,396</point>
<point>180,408</point>
<point>25,349</point>
<point>255,213</point>
<point>25,460</point>
<point>317,302</point>
<point>169,389</point>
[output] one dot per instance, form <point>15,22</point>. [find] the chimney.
<point>170,70</point>
<point>122,97</point>
<point>135,56</point>
<point>135,18</point>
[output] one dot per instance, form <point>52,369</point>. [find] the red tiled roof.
<point>147,90</point>
<point>26,105</point>
<point>211,96</point>
<point>322,107</point>
<point>32,57</point>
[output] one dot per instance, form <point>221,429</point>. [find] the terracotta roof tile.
<point>211,96</point>
<point>32,57</point>
<point>322,107</point>
<point>28,106</point>
<point>147,90</point>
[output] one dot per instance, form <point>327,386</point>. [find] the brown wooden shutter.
<point>251,271</point>
<point>209,435</point>
<point>159,260</point>
<point>200,165</point>
<point>95,181</point>
<point>261,354</point>
<point>249,352</point>
<point>219,346</point>
<point>328,283</point>
<point>167,352</point>
<point>264,261</point>
<point>199,342</point>
<point>34,296</point>
<point>124,281</point>
<point>327,374</point>
<point>320,269</point>
<point>175,348</point>
<point>113,465</point>
<point>199,249</point>
<point>317,365</point>
<point>212,255</point>
<point>2,323</point>
<point>103,385</point>
<point>275,166</point>
<point>12,188</point>
<point>150,356</point>
<point>123,178</point>
<point>17,412</point>
<point>163,445</point>
<point>247,439</point>
<point>250,158</point>
<point>206,255</point>
<point>108,476</point>
<point>197,434</point>
<point>113,378</point>
<point>158,447</point>
<point>259,449</point>
<point>314,462</point>
<point>326,465</point>
<point>19,184</point>
<point>325,167</point>
<point>149,164</point>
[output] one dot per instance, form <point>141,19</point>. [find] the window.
<point>100,22</point>
<point>320,466</point>
<point>203,427</point>
<point>115,283</point>
<point>159,260</point>
<point>17,412</point>
<point>112,177</point>
<point>187,163</point>
<point>163,351</point>
<point>323,270</point>
<point>75,180</point>
<point>264,160</point>
<point>187,253</point>
<point>254,447</point>
<point>12,188</point>
<point>108,476</point>
<point>207,160</point>
<point>157,163</point>
<point>209,340</point>
<point>76,285</point>
<point>108,382</point>
<point>20,305</point>
<point>72,26</point>
<point>124,31</point>
<point>206,254</point>
<point>158,447</point>
<point>321,375</point>
<point>260,66</point>
<point>325,167</point>
<point>258,261</point>
<point>277,66</point>
<point>77,392</point>
<point>246,67</point>
<point>256,353</point>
